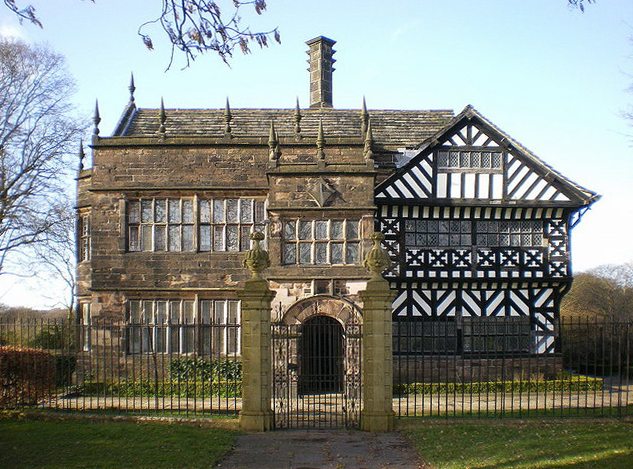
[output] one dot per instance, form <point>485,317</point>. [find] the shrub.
<point>576,383</point>
<point>50,337</point>
<point>191,389</point>
<point>27,376</point>
<point>201,369</point>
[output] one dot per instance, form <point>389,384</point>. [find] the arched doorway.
<point>316,364</point>
<point>321,355</point>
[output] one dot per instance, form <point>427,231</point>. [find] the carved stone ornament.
<point>376,261</point>
<point>322,192</point>
<point>256,259</point>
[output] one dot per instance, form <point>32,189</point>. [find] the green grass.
<point>70,444</point>
<point>525,445</point>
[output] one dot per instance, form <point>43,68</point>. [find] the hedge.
<point>201,369</point>
<point>162,389</point>
<point>27,376</point>
<point>574,383</point>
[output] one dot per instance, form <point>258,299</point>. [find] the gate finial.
<point>256,259</point>
<point>377,261</point>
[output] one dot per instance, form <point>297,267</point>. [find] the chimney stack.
<point>321,69</point>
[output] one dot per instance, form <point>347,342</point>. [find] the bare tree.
<point>192,26</point>
<point>54,258</point>
<point>37,135</point>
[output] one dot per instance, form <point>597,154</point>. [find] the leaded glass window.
<point>160,225</point>
<point>226,224</point>
<point>469,159</point>
<point>321,242</point>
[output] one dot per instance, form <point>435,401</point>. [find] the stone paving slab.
<point>321,449</point>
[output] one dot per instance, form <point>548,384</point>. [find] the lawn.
<point>72,444</point>
<point>525,445</point>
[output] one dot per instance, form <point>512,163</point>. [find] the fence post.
<point>256,413</point>
<point>377,414</point>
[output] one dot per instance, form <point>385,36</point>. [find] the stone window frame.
<point>167,224</point>
<point>86,323</point>
<point>318,239</point>
<point>225,224</point>
<point>194,224</point>
<point>83,237</point>
<point>183,327</point>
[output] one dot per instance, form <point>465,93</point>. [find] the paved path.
<point>321,449</point>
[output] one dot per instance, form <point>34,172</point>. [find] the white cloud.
<point>12,29</point>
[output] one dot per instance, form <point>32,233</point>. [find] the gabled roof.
<point>391,128</point>
<point>575,192</point>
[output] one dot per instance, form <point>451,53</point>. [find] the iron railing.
<point>453,368</point>
<point>107,365</point>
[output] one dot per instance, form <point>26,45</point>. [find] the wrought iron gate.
<point>316,374</point>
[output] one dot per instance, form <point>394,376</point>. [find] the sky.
<point>553,78</point>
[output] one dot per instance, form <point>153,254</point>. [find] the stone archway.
<point>344,311</point>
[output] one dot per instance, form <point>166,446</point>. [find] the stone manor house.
<point>477,226</point>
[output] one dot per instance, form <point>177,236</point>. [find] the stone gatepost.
<point>256,413</point>
<point>377,414</point>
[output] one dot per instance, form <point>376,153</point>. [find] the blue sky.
<point>553,78</point>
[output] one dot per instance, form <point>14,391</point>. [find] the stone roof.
<point>391,128</point>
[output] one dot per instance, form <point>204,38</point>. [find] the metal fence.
<point>191,369</point>
<point>455,368</point>
<point>498,367</point>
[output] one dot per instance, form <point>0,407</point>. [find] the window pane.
<point>161,238</point>
<point>134,240</point>
<point>188,313</point>
<point>231,210</point>
<point>174,238</point>
<point>305,253</point>
<point>260,213</point>
<point>160,207</point>
<point>146,211</point>
<point>187,211</point>
<point>218,316</point>
<point>187,238</point>
<point>337,229</point>
<point>245,242</point>
<point>321,229</point>
<point>205,211</point>
<point>218,211</point>
<point>205,238</point>
<point>146,235</point>
<point>231,238</point>
<point>135,312</point>
<point>336,253</point>
<point>205,311</point>
<point>305,230</point>
<point>174,312</point>
<point>352,229</point>
<point>246,210</point>
<point>161,312</point>
<point>290,253</point>
<point>218,238</point>
<point>321,253</point>
<point>496,160</point>
<point>233,312</point>
<point>174,211</point>
<point>289,230</point>
<point>133,208</point>
<point>352,253</point>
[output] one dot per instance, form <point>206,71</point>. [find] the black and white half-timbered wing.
<point>478,229</point>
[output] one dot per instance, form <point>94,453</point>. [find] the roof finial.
<point>227,117</point>
<point>273,143</point>
<point>369,141</point>
<point>132,88</point>
<point>364,117</point>
<point>320,141</point>
<point>81,155</point>
<point>96,119</point>
<point>297,118</point>
<point>162,116</point>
